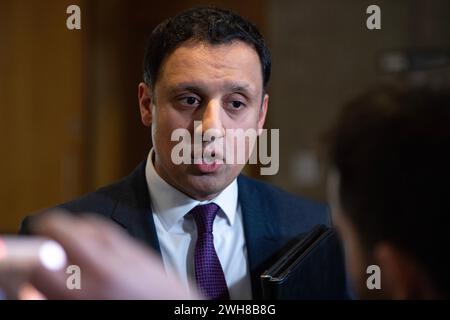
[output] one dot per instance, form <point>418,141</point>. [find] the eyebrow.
<point>244,88</point>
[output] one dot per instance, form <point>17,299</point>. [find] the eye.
<point>237,104</point>
<point>190,101</point>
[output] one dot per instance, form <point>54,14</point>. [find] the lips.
<point>208,167</point>
<point>209,161</point>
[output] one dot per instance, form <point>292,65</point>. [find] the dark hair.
<point>391,148</point>
<point>204,24</point>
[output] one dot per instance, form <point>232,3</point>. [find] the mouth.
<point>208,167</point>
<point>208,162</point>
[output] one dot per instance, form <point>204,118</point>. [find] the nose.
<point>212,119</point>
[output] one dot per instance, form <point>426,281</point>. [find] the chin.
<point>205,186</point>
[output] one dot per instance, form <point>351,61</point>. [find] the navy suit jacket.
<point>273,219</point>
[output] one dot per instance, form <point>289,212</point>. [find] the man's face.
<point>219,85</point>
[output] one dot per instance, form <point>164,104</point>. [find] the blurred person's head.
<point>389,190</point>
<point>206,65</point>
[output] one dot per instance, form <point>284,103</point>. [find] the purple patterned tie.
<point>208,271</point>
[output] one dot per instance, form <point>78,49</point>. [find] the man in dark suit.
<point>209,223</point>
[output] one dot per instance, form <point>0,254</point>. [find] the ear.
<point>263,113</point>
<point>145,103</point>
<point>401,275</point>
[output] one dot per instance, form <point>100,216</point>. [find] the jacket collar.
<point>133,209</point>
<point>261,230</point>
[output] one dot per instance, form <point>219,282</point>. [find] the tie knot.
<point>204,216</point>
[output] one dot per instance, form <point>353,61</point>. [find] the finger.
<point>109,233</point>
<point>52,284</point>
<point>77,237</point>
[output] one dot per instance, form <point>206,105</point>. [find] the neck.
<point>161,173</point>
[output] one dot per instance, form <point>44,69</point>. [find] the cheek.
<point>356,264</point>
<point>164,124</point>
<point>241,138</point>
<point>353,260</point>
<point>166,121</point>
<point>254,118</point>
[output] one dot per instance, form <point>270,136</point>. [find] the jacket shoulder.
<point>292,210</point>
<point>101,202</point>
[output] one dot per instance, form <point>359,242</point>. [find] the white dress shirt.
<point>177,233</point>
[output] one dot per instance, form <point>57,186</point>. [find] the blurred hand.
<point>112,264</point>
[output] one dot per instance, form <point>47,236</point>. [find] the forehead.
<point>207,64</point>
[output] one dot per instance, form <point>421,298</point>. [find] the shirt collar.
<point>171,205</point>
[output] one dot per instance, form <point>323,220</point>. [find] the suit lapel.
<point>260,231</point>
<point>133,210</point>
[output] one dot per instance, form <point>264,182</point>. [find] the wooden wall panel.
<point>41,119</point>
